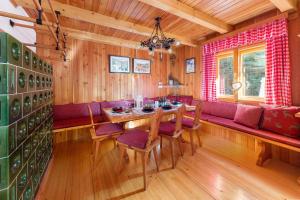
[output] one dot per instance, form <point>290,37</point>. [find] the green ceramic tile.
<point>35,101</point>
<point>38,81</point>
<point>22,130</point>
<point>31,123</point>
<point>10,109</point>
<point>35,140</point>
<point>7,139</point>
<point>31,81</point>
<point>40,65</point>
<point>7,79</point>
<point>22,80</point>
<point>27,103</point>
<point>22,181</point>
<point>28,192</point>
<point>10,167</point>
<point>10,50</point>
<point>41,99</point>
<point>9,193</point>
<point>45,67</point>
<point>35,61</point>
<point>27,149</point>
<point>27,57</point>
<point>43,82</point>
<point>32,165</point>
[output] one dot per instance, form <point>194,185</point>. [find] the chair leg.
<point>97,151</point>
<point>199,139</point>
<point>144,161</point>
<point>115,143</point>
<point>122,154</point>
<point>172,153</point>
<point>192,142</point>
<point>156,158</point>
<point>180,147</point>
<point>161,142</point>
<point>135,155</point>
<point>93,147</point>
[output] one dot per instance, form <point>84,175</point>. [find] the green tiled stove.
<point>25,119</point>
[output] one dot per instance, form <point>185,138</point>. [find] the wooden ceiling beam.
<point>99,19</point>
<point>186,12</point>
<point>285,5</point>
<point>94,37</point>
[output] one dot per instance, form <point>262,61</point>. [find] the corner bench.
<point>223,117</point>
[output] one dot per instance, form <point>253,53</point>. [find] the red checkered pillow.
<point>282,121</point>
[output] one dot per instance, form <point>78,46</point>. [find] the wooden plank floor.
<point>206,175</point>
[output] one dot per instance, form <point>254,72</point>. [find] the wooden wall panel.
<point>192,81</point>
<point>86,76</point>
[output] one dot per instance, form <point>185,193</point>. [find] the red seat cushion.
<point>260,133</point>
<point>282,121</point>
<point>167,128</point>
<point>223,109</point>
<point>67,123</point>
<point>190,114</point>
<point>207,107</point>
<point>134,138</point>
<point>181,98</point>
<point>108,129</point>
<point>248,115</point>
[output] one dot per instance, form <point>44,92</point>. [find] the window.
<point>225,75</point>
<point>246,66</point>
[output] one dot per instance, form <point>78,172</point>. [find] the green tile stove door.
<point>27,57</point>
<point>7,140</point>
<point>26,103</point>
<point>7,79</point>
<point>31,82</point>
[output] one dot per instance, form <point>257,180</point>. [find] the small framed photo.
<point>190,65</point>
<point>141,66</point>
<point>119,64</point>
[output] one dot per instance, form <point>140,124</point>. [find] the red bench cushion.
<point>181,98</point>
<point>67,123</point>
<point>248,115</point>
<point>282,121</point>
<point>223,109</point>
<point>111,104</point>
<point>260,133</point>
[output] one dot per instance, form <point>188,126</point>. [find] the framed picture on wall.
<point>141,66</point>
<point>190,65</point>
<point>119,64</point>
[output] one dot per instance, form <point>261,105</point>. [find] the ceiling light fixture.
<point>158,40</point>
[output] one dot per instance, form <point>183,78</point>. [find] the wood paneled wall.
<point>86,76</point>
<point>191,81</point>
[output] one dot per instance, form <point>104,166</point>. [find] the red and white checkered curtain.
<point>275,34</point>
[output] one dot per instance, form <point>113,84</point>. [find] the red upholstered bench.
<point>273,125</point>
<point>75,116</point>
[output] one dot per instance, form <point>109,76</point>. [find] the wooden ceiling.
<point>138,16</point>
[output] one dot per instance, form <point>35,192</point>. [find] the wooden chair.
<point>141,141</point>
<point>173,132</point>
<point>103,131</point>
<point>193,125</point>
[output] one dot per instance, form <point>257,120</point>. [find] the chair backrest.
<point>154,126</point>
<point>198,113</point>
<point>91,116</point>
<point>179,116</point>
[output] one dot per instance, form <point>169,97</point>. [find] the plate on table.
<point>117,109</point>
<point>148,109</point>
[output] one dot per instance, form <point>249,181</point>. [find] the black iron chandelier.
<point>158,40</point>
